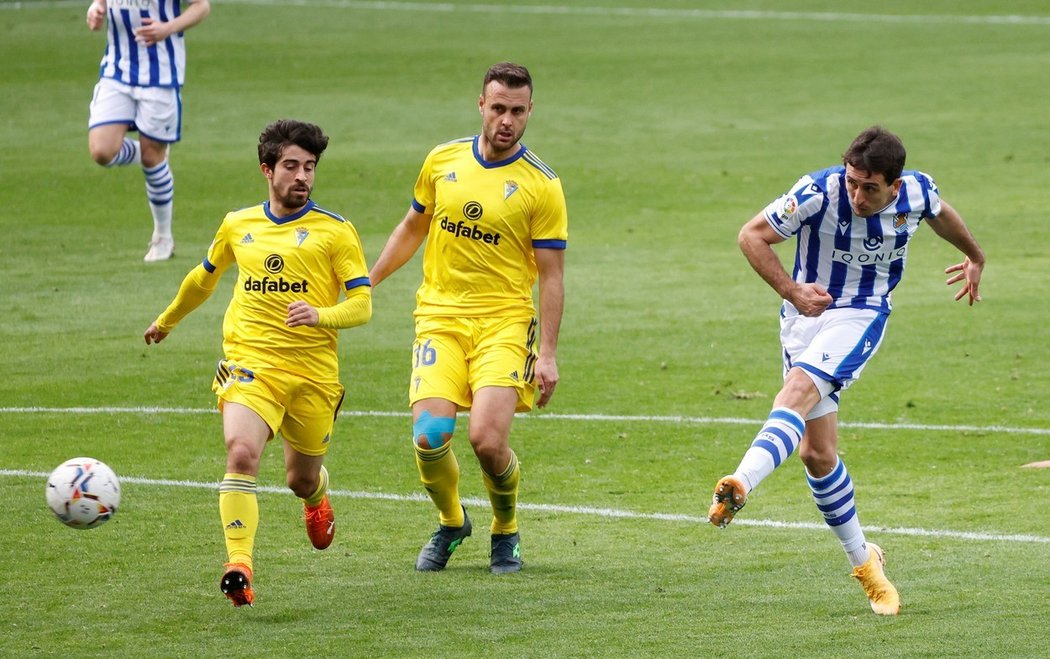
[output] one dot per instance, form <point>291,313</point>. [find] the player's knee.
<point>802,390</point>
<point>489,447</point>
<point>431,432</point>
<point>241,458</point>
<point>102,155</point>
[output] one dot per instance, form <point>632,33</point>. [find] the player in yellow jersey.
<point>493,217</point>
<point>280,371</point>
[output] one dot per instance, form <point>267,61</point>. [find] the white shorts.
<point>155,112</point>
<point>833,348</point>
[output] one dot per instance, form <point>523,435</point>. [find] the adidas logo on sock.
<point>235,524</point>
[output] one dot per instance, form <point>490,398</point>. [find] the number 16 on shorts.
<point>423,354</point>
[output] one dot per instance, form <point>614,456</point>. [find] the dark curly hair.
<point>283,132</point>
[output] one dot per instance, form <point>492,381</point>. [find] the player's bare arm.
<point>550,264</point>
<point>403,242</point>
<point>96,15</point>
<point>950,226</point>
<point>756,240</point>
<point>153,32</point>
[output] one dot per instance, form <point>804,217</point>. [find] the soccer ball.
<point>83,493</point>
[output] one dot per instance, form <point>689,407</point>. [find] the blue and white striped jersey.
<point>858,259</point>
<point>160,65</point>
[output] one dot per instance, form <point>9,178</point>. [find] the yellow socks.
<point>503,493</point>
<point>439,473</point>
<point>314,499</point>
<point>239,510</point>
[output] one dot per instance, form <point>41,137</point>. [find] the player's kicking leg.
<point>773,444</point>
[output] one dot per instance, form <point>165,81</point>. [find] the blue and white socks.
<point>833,495</point>
<point>777,440</point>
<point>129,154</point>
<point>160,190</point>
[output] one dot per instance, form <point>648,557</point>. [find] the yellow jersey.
<point>310,255</point>
<point>487,220</point>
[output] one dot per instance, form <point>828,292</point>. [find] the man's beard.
<point>294,198</point>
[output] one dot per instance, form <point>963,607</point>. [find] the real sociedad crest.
<point>900,222</point>
<point>509,188</point>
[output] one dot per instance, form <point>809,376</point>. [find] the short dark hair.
<point>877,151</point>
<point>510,74</point>
<point>283,132</point>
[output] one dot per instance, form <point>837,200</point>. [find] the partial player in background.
<point>493,217</point>
<point>280,371</point>
<point>140,79</point>
<point>853,224</point>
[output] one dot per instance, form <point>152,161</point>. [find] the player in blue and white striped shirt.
<point>140,78</point>
<point>853,224</point>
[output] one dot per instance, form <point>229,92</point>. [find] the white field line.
<point>581,510</point>
<point>625,418</point>
<point>623,12</point>
<point>610,513</point>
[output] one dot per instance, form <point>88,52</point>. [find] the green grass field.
<point>670,125</point>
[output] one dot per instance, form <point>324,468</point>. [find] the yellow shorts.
<point>302,410</point>
<point>454,357</point>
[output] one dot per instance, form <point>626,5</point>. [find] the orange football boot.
<point>320,523</point>
<point>236,584</point>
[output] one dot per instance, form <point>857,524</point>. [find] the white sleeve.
<point>787,212</point>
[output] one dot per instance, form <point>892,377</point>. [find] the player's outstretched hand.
<point>969,273</point>
<point>546,379</point>
<point>154,335</point>
<point>301,313</point>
